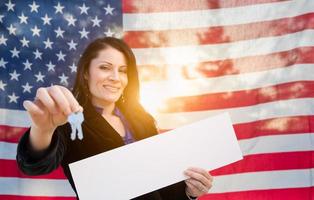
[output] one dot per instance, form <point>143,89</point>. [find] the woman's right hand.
<point>50,109</point>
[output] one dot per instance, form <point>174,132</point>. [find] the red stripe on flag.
<point>9,168</point>
<point>293,90</point>
<point>15,197</point>
<point>268,162</point>
<point>221,34</point>
<point>11,134</point>
<point>275,126</point>
<point>302,55</point>
<point>139,6</point>
<point>286,194</point>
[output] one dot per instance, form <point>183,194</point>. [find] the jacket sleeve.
<point>37,163</point>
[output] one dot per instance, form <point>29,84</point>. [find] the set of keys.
<point>76,120</point>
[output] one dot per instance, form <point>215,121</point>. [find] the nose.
<point>114,75</point>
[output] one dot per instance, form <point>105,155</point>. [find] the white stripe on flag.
<point>216,17</point>
<point>8,151</point>
<point>263,180</point>
<point>283,108</point>
<point>200,53</point>
<point>35,187</point>
<point>15,118</point>
<point>229,83</point>
<point>277,144</point>
<point>259,145</point>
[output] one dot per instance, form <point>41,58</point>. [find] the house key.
<point>76,120</point>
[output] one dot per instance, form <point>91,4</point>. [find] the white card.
<point>158,161</point>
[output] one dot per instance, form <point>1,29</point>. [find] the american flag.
<point>251,58</point>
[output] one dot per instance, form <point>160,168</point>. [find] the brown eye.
<point>104,67</point>
<point>123,70</point>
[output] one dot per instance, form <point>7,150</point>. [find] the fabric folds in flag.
<point>251,58</point>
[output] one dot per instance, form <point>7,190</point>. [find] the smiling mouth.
<point>111,88</point>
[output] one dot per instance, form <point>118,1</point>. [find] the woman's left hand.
<point>199,182</point>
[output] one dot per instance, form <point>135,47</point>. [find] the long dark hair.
<point>141,121</point>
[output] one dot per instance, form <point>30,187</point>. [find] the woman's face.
<point>107,77</point>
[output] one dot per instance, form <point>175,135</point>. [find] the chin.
<point>111,99</point>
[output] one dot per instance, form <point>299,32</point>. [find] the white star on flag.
<point>48,44</point>
<point>3,63</point>
<point>39,77</point>
<point>10,6</point>
<point>34,7</point>
<point>15,52</point>
<point>3,40</point>
<point>60,56</point>
<point>46,20</point>
<point>37,54</point>
<point>59,32</point>
<point>72,45</point>
<point>73,68</point>
<point>36,31</point>
<point>109,10</point>
<point>2,85</point>
<point>13,98</point>
<point>59,8</point>
<point>14,75</point>
<point>96,21</point>
<point>27,88</point>
<point>51,67</point>
<point>23,18</point>
<point>63,79</point>
<point>108,33</point>
<point>24,42</point>
<point>83,9</point>
<point>27,65</point>
<point>12,30</point>
<point>71,20</point>
<point>84,33</point>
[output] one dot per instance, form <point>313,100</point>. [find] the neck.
<point>105,109</point>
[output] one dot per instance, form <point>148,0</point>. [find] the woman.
<point>107,91</point>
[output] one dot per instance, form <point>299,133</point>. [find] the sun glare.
<point>180,67</point>
<point>154,94</point>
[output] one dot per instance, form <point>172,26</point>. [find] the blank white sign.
<point>158,161</point>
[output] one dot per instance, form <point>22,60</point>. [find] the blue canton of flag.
<point>41,41</point>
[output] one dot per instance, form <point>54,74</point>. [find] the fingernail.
<point>25,104</point>
<point>78,109</point>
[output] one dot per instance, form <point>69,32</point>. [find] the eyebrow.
<point>111,63</point>
<point>106,62</point>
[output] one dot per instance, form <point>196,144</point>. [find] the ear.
<point>86,76</point>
